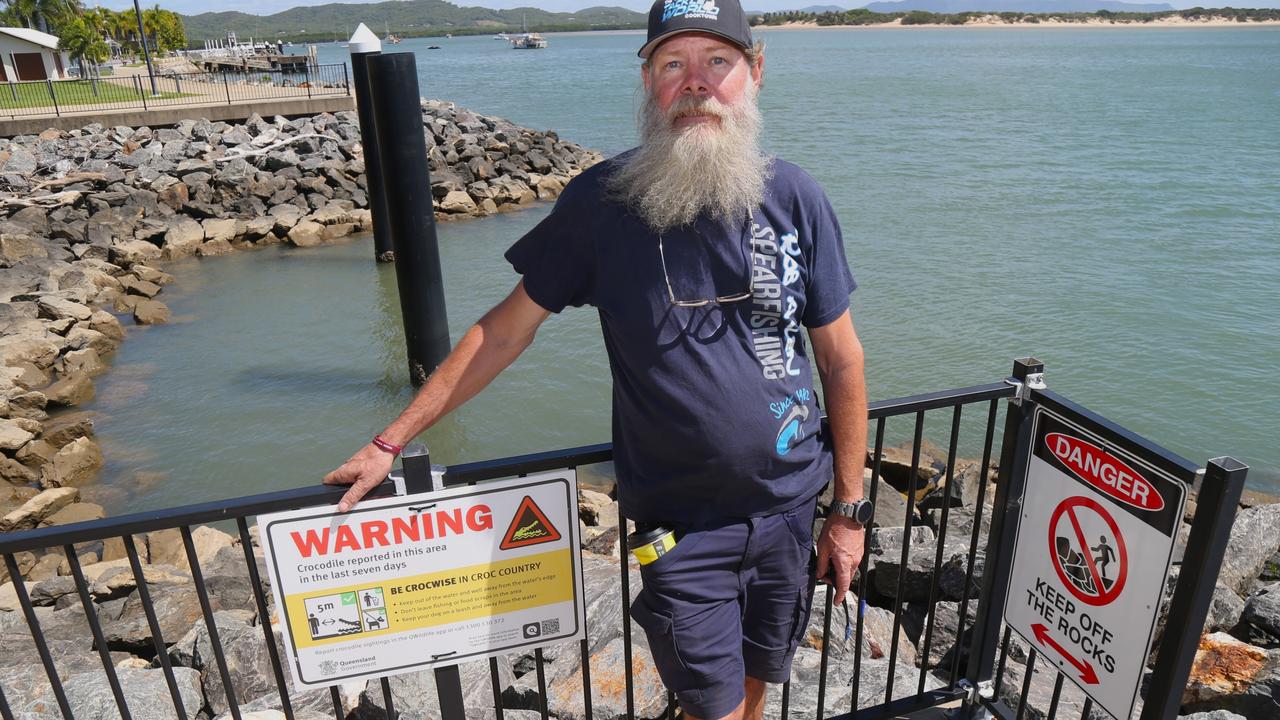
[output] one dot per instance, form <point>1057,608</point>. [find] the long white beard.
<point>679,173</point>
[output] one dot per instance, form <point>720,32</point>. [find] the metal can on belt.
<point>650,543</point>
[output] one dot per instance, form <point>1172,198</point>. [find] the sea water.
<point>1107,200</point>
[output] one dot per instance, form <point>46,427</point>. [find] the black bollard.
<point>364,44</point>
<point>393,89</point>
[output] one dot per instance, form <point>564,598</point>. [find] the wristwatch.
<point>859,511</point>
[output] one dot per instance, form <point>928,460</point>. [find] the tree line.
<point>87,34</point>
<point>862,16</point>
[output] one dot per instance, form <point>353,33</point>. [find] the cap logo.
<point>693,9</point>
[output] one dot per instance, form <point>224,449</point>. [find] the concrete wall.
<point>9,46</point>
<point>293,107</point>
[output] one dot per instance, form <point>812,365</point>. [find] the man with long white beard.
<point>704,258</point>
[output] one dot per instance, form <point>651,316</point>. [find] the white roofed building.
<point>27,54</point>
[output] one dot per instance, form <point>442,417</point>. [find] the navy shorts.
<point>727,602</point>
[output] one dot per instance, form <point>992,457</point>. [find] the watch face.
<point>862,512</point>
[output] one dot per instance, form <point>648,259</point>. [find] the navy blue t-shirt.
<point>714,413</point>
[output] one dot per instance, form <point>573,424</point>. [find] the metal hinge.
<point>1034,381</point>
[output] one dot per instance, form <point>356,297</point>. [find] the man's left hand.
<point>839,552</point>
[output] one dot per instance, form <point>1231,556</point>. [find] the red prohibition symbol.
<point>1082,568</point>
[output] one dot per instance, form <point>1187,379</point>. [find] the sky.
<point>268,7</point>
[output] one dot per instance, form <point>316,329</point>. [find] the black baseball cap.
<point>718,17</point>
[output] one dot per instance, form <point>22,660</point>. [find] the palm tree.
<point>83,44</point>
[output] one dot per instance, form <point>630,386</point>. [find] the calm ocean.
<point>1107,200</point>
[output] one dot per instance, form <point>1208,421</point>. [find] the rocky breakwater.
<point>87,216</point>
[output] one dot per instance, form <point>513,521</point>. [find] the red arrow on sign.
<point>1087,674</point>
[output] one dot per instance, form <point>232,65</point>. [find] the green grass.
<point>72,92</point>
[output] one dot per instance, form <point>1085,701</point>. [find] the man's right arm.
<point>486,349</point>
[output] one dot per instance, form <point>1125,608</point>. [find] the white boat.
<point>528,41</point>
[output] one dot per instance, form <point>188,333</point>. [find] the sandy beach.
<point>995,21</point>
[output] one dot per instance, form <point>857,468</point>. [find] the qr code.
<point>550,626</point>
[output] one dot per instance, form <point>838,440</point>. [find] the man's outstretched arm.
<point>838,353</point>
<point>485,350</point>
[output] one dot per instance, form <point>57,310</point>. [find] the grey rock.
<point>90,697</point>
<point>1262,610</point>
<point>1255,537</point>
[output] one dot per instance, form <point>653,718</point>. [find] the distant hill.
<point>1027,6</point>
<point>406,18</point>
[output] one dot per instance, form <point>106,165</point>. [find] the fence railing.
<point>143,92</point>
<point>967,418</point>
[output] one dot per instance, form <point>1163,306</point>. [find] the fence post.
<point>307,82</point>
<point>226,86</point>
<point>418,477</point>
<point>53,96</point>
<point>364,45</point>
<point>393,87</point>
<point>177,83</point>
<point>1216,505</point>
<point>1028,373</point>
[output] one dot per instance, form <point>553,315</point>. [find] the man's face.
<point>692,67</point>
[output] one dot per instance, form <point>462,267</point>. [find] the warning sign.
<point>1095,539</point>
<point>529,527</point>
<point>405,583</point>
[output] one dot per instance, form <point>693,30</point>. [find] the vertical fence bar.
<point>1004,656</point>
<point>942,541</point>
<point>226,86</point>
<point>829,601</point>
<point>5,712</point>
<point>907,524</point>
<point>584,656</point>
<point>209,625</point>
<point>337,703</point>
<point>264,617</point>
<point>495,684</point>
<point>50,670</point>
<point>1086,712</point>
<point>104,653</point>
<point>540,668</point>
<point>1210,530</point>
<point>388,702</point>
<point>979,505</point>
<point>157,639</point>
<point>1026,683</point>
<point>999,554</point>
<point>1057,695</point>
<point>862,566</point>
<point>53,96</point>
<point>628,681</point>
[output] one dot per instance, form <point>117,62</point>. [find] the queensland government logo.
<point>704,9</point>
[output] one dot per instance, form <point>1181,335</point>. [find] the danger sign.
<point>1095,539</point>
<point>407,583</point>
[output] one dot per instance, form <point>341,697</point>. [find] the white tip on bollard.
<point>364,40</point>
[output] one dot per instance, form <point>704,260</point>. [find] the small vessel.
<point>433,47</point>
<point>527,40</point>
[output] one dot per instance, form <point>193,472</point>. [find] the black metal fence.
<point>968,674</point>
<point>143,92</point>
